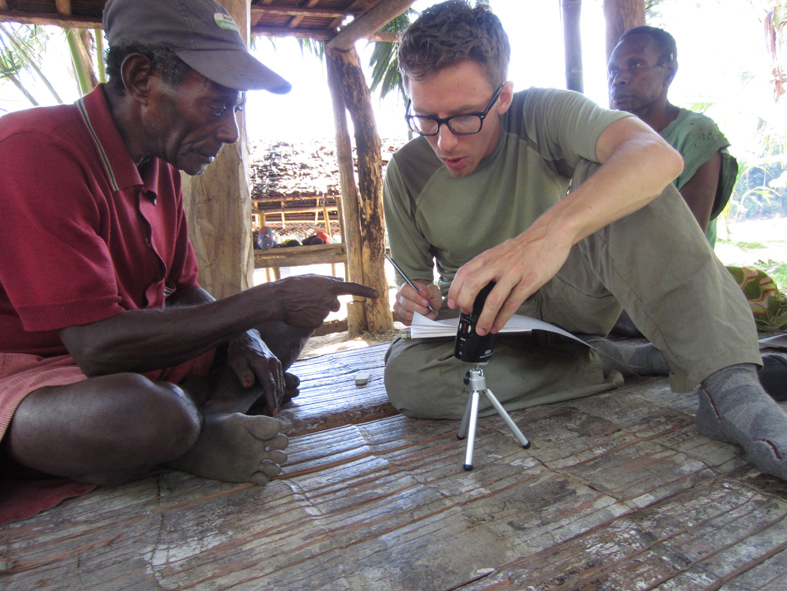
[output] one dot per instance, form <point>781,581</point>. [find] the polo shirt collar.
<point>118,163</point>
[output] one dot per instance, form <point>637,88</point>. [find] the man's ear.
<point>506,96</point>
<point>670,69</point>
<point>137,71</point>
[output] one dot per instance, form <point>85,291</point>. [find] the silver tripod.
<point>475,377</point>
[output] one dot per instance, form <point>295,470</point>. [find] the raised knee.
<point>167,423</point>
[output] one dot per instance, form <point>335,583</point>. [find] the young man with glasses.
<point>570,209</point>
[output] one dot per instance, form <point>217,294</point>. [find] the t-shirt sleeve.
<point>409,248</point>
<point>55,268</point>
<point>565,125</point>
<point>697,139</point>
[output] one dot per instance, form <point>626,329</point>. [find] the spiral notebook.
<point>424,328</point>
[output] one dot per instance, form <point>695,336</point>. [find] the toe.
<point>279,442</point>
<point>270,469</point>
<point>291,381</point>
<point>260,478</point>
<point>276,456</point>
<point>263,427</point>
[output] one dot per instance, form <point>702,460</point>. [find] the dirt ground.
<point>341,341</point>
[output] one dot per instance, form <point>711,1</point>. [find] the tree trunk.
<point>218,205</point>
<point>571,11</point>
<point>620,16</point>
<point>357,99</point>
<point>351,223</point>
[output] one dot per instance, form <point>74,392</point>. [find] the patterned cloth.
<point>768,304</point>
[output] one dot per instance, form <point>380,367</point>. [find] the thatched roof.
<point>291,170</point>
<point>287,170</point>
<point>299,177</point>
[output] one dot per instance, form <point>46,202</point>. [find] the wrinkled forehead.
<point>636,46</point>
<point>199,87</point>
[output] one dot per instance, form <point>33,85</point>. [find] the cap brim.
<point>234,68</point>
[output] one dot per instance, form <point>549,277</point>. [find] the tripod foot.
<point>460,437</point>
<point>468,467</point>
<point>526,446</point>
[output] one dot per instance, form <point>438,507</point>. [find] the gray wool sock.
<point>630,359</point>
<point>735,408</point>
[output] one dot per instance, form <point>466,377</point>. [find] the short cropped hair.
<point>172,69</point>
<point>665,43</point>
<point>452,32</point>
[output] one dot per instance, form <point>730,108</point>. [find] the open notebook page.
<point>424,328</point>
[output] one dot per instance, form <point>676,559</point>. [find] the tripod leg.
<point>473,419</point>
<point>465,420</point>
<point>507,418</point>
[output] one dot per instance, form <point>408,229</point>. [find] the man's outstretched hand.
<point>306,300</point>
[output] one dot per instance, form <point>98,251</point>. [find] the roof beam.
<point>39,18</point>
<point>256,9</point>
<point>297,20</point>
<point>317,34</point>
<point>369,23</point>
<point>63,6</point>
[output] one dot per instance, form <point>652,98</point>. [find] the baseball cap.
<point>200,32</point>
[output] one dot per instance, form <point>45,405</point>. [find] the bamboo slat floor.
<point>617,492</point>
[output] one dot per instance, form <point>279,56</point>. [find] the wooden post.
<point>571,12</point>
<point>348,80</point>
<point>218,204</point>
<point>351,224</point>
<point>620,16</point>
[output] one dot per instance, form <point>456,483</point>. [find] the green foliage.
<point>18,45</point>
<point>652,9</point>
<point>383,61</point>
<point>759,189</point>
<point>312,46</point>
<point>22,46</point>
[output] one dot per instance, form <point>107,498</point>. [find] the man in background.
<point>641,68</point>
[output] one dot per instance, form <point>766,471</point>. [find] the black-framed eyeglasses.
<point>466,124</point>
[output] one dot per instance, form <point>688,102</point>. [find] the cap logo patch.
<point>224,21</point>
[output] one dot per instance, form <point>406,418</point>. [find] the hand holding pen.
<point>407,280</point>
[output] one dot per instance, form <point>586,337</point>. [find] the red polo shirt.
<point>84,235</point>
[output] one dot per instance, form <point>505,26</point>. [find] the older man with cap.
<point>113,359</point>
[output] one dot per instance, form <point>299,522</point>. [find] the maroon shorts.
<point>21,374</point>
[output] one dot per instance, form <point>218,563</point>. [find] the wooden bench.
<point>298,256</point>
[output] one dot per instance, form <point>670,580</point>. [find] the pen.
<point>407,280</point>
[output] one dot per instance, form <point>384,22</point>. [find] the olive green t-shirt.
<point>698,138</point>
<point>432,216</point>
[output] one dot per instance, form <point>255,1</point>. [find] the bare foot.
<point>234,447</point>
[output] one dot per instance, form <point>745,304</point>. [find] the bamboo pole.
<point>571,11</point>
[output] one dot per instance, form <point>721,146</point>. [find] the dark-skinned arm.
<point>143,340</point>
<point>699,192</point>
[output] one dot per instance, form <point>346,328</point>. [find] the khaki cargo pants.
<point>654,263</point>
